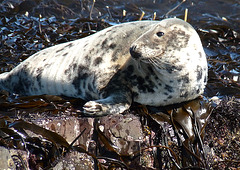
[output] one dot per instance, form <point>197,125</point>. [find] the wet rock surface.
<point>51,131</point>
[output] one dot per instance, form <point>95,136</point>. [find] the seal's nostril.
<point>134,53</point>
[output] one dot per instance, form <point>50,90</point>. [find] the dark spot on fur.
<point>172,68</point>
<point>23,84</point>
<point>143,85</point>
<point>85,45</point>
<point>87,58</point>
<point>79,81</point>
<point>108,31</point>
<point>65,54</point>
<point>111,38</point>
<point>115,67</point>
<point>112,46</point>
<point>176,59</point>
<point>92,51</point>
<point>185,78</point>
<point>150,69</point>
<point>134,83</point>
<point>59,50</point>
<point>205,79</point>
<point>199,73</point>
<point>69,45</point>
<point>177,39</point>
<point>97,51</point>
<point>116,54</point>
<point>169,69</point>
<point>184,95</point>
<point>104,43</point>
<point>39,76</point>
<point>46,66</point>
<point>168,88</point>
<point>170,97</point>
<point>200,54</point>
<point>140,80</point>
<point>113,31</point>
<point>97,61</point>
<point>39,70</point>
<point>72,67</point>
<point>130,69</point>
<point>128,33</point>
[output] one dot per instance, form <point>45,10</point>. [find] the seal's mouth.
<point>155,61</point>
<point>136,55</point>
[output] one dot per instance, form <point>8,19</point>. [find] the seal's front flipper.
<point>114,104</point>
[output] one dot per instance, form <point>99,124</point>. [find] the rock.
<point>6,159</point>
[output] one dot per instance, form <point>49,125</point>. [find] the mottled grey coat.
<point>154,63</point>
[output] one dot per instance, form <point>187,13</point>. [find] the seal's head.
<point>173,49</point>
<point>171,41</point>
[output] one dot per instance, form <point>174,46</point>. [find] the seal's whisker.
<point>159,62</point>
<point>156,64</point>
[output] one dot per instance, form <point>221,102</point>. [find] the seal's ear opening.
<point>160,34</point>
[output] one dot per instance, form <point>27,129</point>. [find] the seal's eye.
<point>159,34</point>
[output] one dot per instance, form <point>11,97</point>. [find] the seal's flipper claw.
<point>109,105</point>
<point>94,108</point>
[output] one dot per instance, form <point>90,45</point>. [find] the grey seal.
<point>154,63</point>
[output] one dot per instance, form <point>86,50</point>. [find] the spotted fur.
<point>154,63</point>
